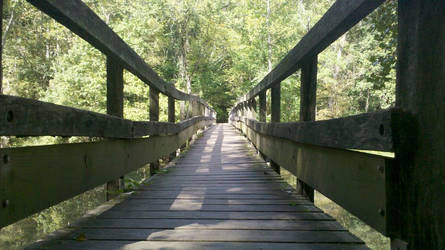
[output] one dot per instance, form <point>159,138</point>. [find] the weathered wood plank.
<point>186,245</point>
<point>342,15</point>
<point>214,224</point>
<point>27,117</point>
<point>65,170</point>
<point>220,235</point>
<point>204,195</point>
<point>234,208</point>
<point>355,181</point>
<point>315,216</point>
<point>209,201</point>
<point>370,131</point>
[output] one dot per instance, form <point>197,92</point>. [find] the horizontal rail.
<point>34,178</point>
<point>371,131</point>
<point>356,181</point>
<point>336,21</point>
<point>27,117</point>
<point>80,19</point>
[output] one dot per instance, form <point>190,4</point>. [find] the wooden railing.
<point>35,178</point>
<point>403,196</point>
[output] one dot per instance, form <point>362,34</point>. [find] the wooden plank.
<point>204,195</point>
<point>185,224</point>
<point>27,117</point>
<point>342,15</point>
<point>308,105</point>
<point>219,235</point>
<point>207,201</point>
<point>186,245</point>
<point>86,24</point>
<point>370,131</point>
<point>343,176</point>
<point>234,208</point>
<point>65,170</point>
<point>115,106</point>
<point>417,187</point>
<point>316,216</point>
<point>166,128</point>
<point>36,118</point>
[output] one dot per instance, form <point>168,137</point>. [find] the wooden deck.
<point>218,196</point>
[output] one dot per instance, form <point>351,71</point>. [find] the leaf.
<point>81,237</point>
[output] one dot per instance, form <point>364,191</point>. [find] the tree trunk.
<point>269,39</point>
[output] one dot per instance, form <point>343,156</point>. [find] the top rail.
<point>80,19</point>
<point>338,19</point>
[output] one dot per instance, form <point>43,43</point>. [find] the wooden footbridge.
<point>221,194</point>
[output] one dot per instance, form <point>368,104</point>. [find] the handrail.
<point>41,176</point>
<point>335,22</point>
<point>28,117</point>
<point>80,19</point>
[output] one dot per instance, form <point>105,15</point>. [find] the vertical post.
<point>171,118</point>
<point>276,114</point>
<point>115,106</point>
<point>308,101</point>
<point>195,107</point>
<point>154,116</point>
<point>253,109</point>
<point>417,180</point>
<point>276,102</point>
<point>262,101</point>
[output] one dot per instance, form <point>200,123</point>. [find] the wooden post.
<point>115,106</point>
<point>308,101</point>
<point>154,116</point>
<point>417,213</point>
<point>276,103</point>
<point>262,102</point>
<point>253,109</point>
<point>171,118</point>
<point>276,115</point>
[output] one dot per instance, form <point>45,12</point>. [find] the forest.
<point>216,49</point>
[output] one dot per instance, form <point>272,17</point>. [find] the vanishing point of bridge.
<point>221,194</point>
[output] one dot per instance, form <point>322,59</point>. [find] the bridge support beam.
<point>154,116</point>
<point>417,196</point>
<point>115,106</point>
<point>308,100</point>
